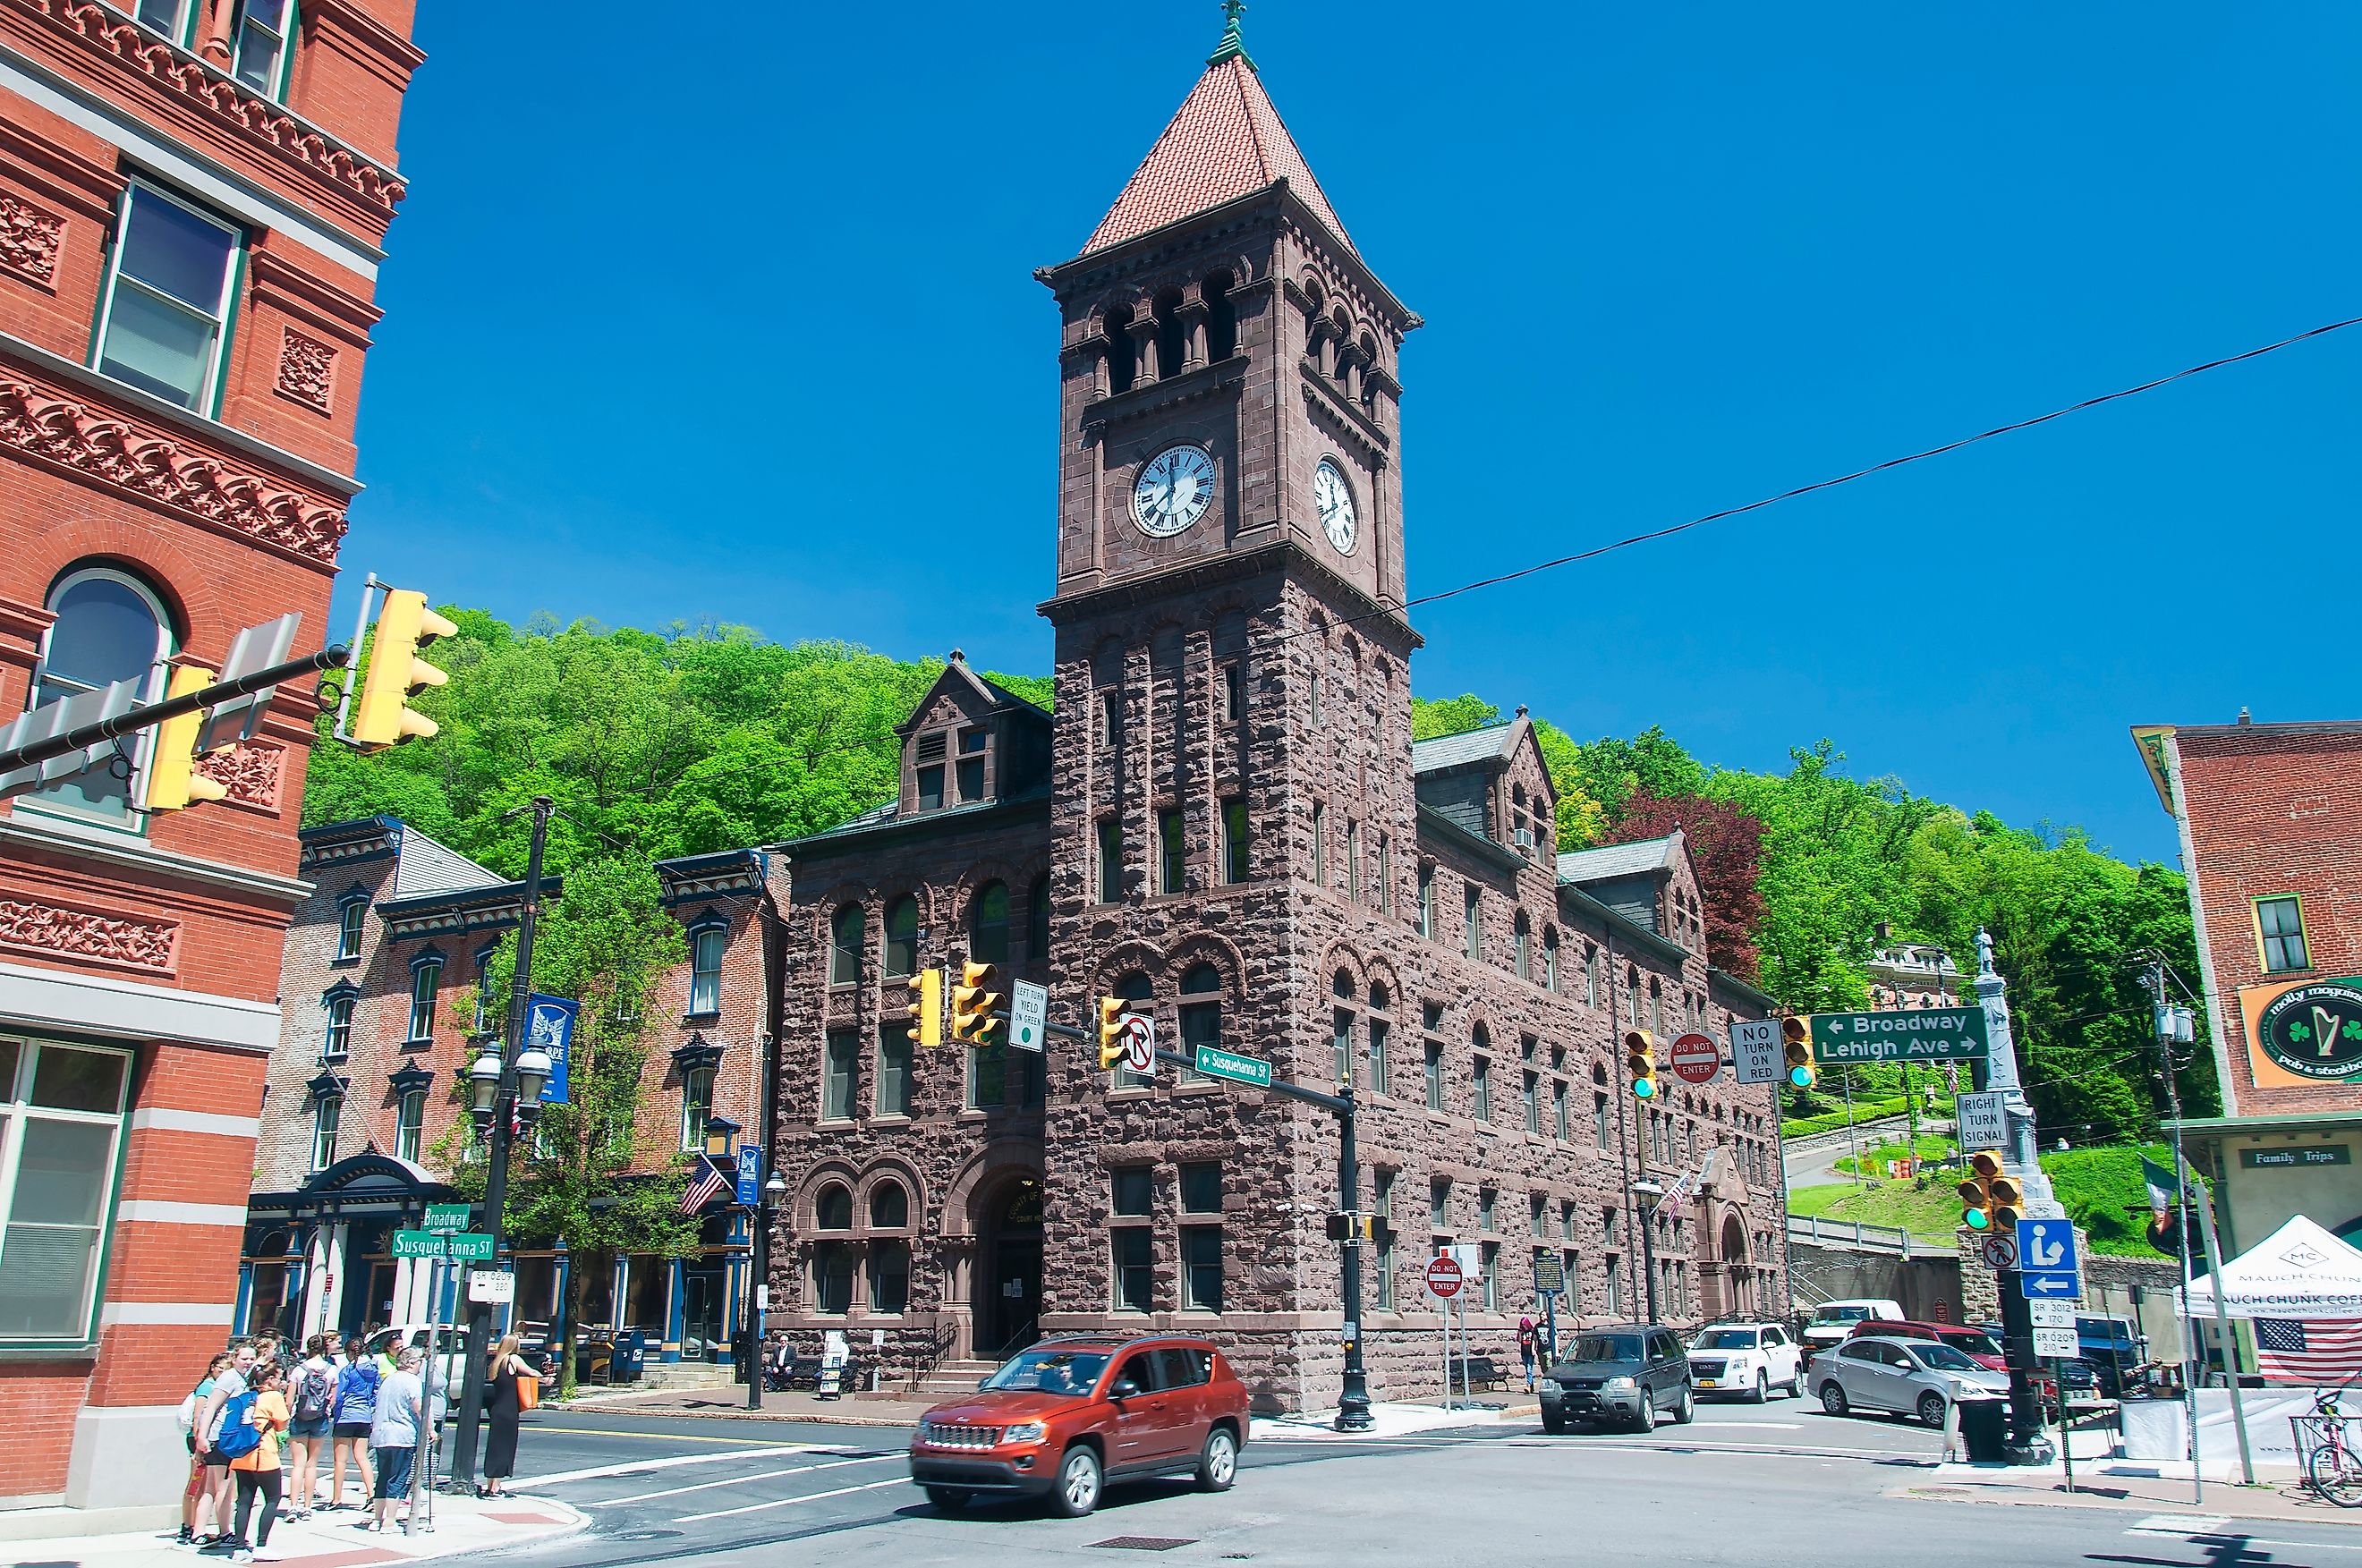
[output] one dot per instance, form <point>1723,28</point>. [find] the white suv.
<point>1747,1359</point>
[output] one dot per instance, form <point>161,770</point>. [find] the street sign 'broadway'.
<point>1925,1034</point>
<point>1215,1062</point>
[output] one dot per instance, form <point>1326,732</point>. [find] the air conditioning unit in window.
<point>1524,840</point>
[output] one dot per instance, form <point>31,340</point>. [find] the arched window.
<point>109,628</point>
<point>339,1041</point>
<point>1222,317</point>
<point>902,937</point>
<point>1201,1014</point>
<point>889,1207</point>
<point>1037,921</point>
<point>1171,336</point>
<point>426,982</point>
<point>987,925</point>
<point>1524,948</point>
<point>832,1211</point>
<point>1123,356</point>
<point>848,934</point>
<point>1549,958</point>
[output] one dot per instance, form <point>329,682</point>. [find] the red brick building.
<point>2271,817</point>
<point>367,1112</point>
<point>193,194</point>
<point>1227,821</point>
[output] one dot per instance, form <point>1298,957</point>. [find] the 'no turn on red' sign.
<point>1695,1058</point>
<point>1443,1278</point>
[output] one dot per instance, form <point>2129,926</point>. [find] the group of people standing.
<point>262,1427</point>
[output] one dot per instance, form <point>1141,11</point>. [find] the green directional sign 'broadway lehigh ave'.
<point>1919,1034</point>
<point>1215,1062</point>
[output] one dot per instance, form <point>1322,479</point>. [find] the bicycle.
<point>2334,1469</point>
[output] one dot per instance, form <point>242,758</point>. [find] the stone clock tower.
<point>1234,789</point>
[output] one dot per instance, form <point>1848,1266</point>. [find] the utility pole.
<point>498,1138</point>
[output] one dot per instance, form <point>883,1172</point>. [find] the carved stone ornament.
<point>146,463</point>
<point>306,368</point>
<point>29,239</point>
<point>250,771</point>
<point>222,100</point>
<point>45,927</point>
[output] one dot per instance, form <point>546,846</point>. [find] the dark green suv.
<point>1629,1373</point>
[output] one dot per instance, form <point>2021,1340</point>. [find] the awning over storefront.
<point>2301,1272</point>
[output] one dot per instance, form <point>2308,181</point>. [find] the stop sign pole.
<point>1443,1282</point>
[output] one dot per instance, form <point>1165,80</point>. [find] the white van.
<point>1833,1321</point>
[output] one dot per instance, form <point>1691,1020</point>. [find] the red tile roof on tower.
<point>1225,142</point>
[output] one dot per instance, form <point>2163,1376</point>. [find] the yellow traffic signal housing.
<point>974,1001</point>
<point>1796,1048</point>
<point>2008,1203</point>
<point>927,1008</point>
<point>1982,1190</point>
<point>1110,1032</point>
<point>173,781</point>
<point>1641,1056</point>
<point>383,715</point>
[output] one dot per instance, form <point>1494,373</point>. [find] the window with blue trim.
<point>705,969</point>
<point>426,982</point>
<point>337,1043</point>
<point>352,917</point>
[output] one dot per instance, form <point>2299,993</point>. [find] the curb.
<point>2023,1497</point>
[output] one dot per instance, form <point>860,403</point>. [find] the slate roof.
<point>1580,866</point>
<point>1468,745</point>
<point>425,868</point>
<point>1225,141</point>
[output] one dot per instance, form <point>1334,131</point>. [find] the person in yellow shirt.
<point>256,1471</point>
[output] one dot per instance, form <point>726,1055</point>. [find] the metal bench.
<point>1475,1372</point>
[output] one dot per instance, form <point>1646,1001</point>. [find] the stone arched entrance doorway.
<point>1007,1215</point>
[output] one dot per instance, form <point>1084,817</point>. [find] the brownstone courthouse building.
<point>1226,819</point>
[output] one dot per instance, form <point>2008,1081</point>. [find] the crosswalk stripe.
<point>789,1502</point>
<point>592,1473</point>
<point>744,1480</point>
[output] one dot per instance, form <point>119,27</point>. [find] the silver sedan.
<point>1907,1376</point>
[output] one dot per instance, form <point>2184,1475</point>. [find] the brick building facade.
<point>1226,819</point>
<point>367,1111</point>
<point>2270,817</point>
<point>193,194</point>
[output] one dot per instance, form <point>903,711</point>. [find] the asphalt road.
<point>1769,1485</point>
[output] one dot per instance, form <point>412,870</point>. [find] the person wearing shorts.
<point>311,1388</point>
<point>229,1386</point>
<point>395,1433</point>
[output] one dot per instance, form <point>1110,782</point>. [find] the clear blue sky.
<point>736,318</point>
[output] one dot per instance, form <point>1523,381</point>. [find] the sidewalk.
<point>1388,1421</point>
<point>461,1525</point>
<point>2133,1483</point>
<point>730,1404</point>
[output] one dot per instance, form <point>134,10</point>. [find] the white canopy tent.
<point>2300,1271</point>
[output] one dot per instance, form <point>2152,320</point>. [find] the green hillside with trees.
<point>693,739</point>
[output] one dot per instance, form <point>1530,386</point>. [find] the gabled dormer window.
<point>971,764</point>
<point>929,773</point>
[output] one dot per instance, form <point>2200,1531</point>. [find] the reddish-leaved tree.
<point>1726,844</point>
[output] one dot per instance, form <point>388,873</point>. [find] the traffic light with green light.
<point>1979,1191</point>
<point>1796,1050</point>
<point>1640,1057</point>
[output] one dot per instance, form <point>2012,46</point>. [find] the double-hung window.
<point>409,1124</point>
<point>705,972</point>
<point>164,316</point>
<point>327,1116</point>
<point>61,1131</point>
<point>338,1043</point>
<point>2279,923</point>
<point>426,981</point>
<point>168,17</point>
<point>842,1067</point>
<point>265,47</point>
<point>109,627</point>
<point>350,917</point>
<point>696,1107</point>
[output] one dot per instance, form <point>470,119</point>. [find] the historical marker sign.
<point>1919,1034</point>
<point>1549,1272</point>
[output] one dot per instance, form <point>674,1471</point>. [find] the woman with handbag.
<point>514,1391</point>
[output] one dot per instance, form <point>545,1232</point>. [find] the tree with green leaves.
<point>604,944</point>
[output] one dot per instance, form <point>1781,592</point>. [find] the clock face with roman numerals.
<point>1173,492</point>
<point>1333,499</point>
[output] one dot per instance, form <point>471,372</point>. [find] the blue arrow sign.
<point>750,1176</point>
<point>2047,1244</point>
<point>2049,1287</point>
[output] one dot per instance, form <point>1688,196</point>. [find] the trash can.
<point>1984,1430</point>
<point>631,1356</point>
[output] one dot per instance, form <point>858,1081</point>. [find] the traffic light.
<point>173,781</point>
<point>1641,1056</point>
<point>1110,1032</point>
<point>385,714</point>
<point>927,1008</point>
<point>1982,1191</point>
<point>974,1001</point>
<point>1796,1047</point>
<point>1375,1228</point>
<point>2008,1203</point>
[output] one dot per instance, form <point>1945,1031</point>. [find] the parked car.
<point>1975,1343</point>
<point>1629,1373</point>
<point>451,1365</point>
<point>1832,1321</point>
<point>2082,1383</point>
<point>1064,1417</point>
<point>1747,1359</point>
<point>1907,1376</point>
<point>2113,1349</point>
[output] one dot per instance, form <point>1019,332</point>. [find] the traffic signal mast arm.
<point>34,752</point>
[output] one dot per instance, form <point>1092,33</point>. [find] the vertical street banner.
<point>549,1024</point>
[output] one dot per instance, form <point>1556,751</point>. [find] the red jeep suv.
<point>1062,1419</point>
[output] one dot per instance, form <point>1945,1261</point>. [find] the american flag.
<point>706,1182</point>
<point>2318,1351</point>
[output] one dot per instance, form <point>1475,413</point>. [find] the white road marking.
<point>2177,1524</point>
<point>791,1502</point>
<point>769,1450</point>
<point>1755,1426</point>
<point>2194,1537</point>
<point>743,1480</point>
